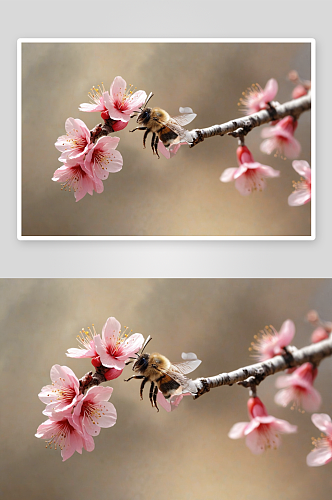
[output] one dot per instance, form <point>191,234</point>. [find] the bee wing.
<point>189,365</point>
<point>186,384</point>
<point>186,117</point>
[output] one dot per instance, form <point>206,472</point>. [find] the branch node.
<point>203,389</point>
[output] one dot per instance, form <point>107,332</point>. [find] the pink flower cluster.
<point>85,164</point>
<point>74,418</point>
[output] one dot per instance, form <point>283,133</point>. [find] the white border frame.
<point>20,41</point>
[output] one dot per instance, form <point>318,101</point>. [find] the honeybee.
<point>162,126</point>
<point>168,377</point>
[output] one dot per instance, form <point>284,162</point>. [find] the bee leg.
<point>151,393</point>
<point>144,137</point>
<point>156,146</point>
<point>152,142</point>
<point>134,376</point>
<point>155,397</point>
<point>138,128</point>
<point>142,387</point>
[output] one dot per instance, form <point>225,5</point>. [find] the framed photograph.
<point>166,139</point>
<point>226,443</point>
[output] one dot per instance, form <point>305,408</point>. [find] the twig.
<point>241,126</point>
<point>254,374</point>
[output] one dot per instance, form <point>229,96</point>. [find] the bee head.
<point>144,116</point>
<point>142,362</point>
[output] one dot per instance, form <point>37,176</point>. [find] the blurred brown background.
<point>185,454</point>
<point>178,197</point>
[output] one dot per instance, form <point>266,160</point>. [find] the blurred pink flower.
<point>319,334</point>
<point>250,174</point>
<point>116,347</point>
<point>61,396</point>
<point>299,91</point>
<point>94,411</point>
<point>122,102</point>
<point>281,138</point>
<point>255,98</point>
<point>302,193</point>
<point>263,430</point>
<point>270,343</point>
<point>322,453</point>
<point>298,389</point>
<point>73,176</point>
<point>171,403</point>
<point>75,144</point>
<point>102,159</point>
<point>61,433</point>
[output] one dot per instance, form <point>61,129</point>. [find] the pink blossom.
<point>87,347</point>
<point>298,389</point>
<point>281,138</point>
<point>171,151</point>
<point>61,396</point>
<point>255,98</point>
<point>94,411</point>
<point>322,453</point>
<point>263,430</point>
<point>102,159</point>
<point>302,193</point>
<point>270,343</point>
<point>97,104</point>
<point>61,433</point>
<point>76,143</point>
<point>171,403</point>
<point>122,102</point>
<point>250,174</point>
<point>115,347</point>
<point>73,176</point>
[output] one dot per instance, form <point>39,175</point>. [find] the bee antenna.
<point>146,343</point>
<point>147,99</point>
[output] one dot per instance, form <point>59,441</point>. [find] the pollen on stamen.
<point>96,93</point>
<point>85,336</point>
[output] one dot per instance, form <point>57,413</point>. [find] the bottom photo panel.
<point>166,388</point>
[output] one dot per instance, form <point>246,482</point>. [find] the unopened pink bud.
<point>119,125</point>
<point>244,155</point>
<point>96,361</point>
<point>105,115</point>
<point>112,373</point>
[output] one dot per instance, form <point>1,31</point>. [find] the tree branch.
<point>241,126</point>
<point>254,374</point>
